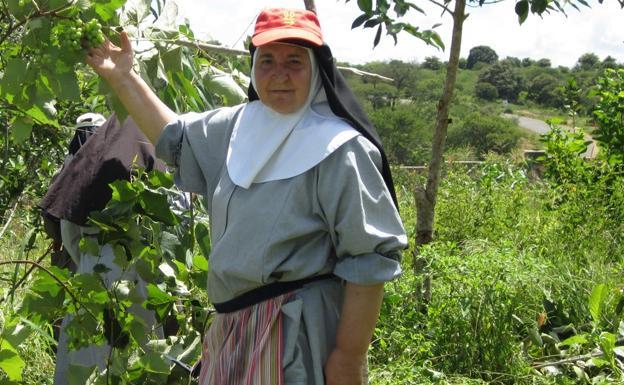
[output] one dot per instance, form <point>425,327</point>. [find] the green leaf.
<point>359,20</point>
<point>15,332</point>
<point>580,339</point>
<point>20,10</point>
<point>14,76</point>
<point>596,300</point>
<point>67,86</point>
<point>167,19</point>
<point>172,59</point>
<point>80,375</point>
<point>522,10</point>
<point>202,236</point>
<point>137,10</point>
<point>21,129</point>
<point>155,363</point>
<point>11,362</point>
<point>158,300</point>
<point>38,114</point>
<point>90,246</point>
<point>366,5</point>
<point>159,178</point>
<point>157,207</point>
<point>123,191</point>
<point>223,84</point>
<point>539,6</point>
<point>118,107</point>
<point>377,37</point>
<point>372,22</point>
<point>106,9</point>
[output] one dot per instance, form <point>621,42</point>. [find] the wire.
<point>246,28</point>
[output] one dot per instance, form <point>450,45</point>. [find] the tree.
<point>505,78</point>
<point>401,72</point>
<point>485,134</point>
<point>587,61</point>
<point>486,91</point>
<point>432,63</point>
<point>543,63</point>
<point>609,62</point>
<point>545,90</point>
<point>483,54</point>
<point>513,61</point>
<point>527,62</point>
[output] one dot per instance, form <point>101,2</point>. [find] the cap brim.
<point>283,34</point>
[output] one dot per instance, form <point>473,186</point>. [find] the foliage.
<point>545,90</point>
<point>432,63</point>
<point>520,278</point>
<point>587,61</point>
<point>405,131</point>
<point>481,54</point>
<point>609,114</point>
<point>544,62</point>
<point>485,134</point>
<point>486,91</point>
<point>379,15</point>
<point>563,162</point>
<point>43,52</point>
<point>505,78</point>
<point>513,61</point>
<point>148,238</point>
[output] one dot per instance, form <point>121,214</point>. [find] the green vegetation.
<point>527,273</point>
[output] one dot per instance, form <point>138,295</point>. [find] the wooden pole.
<point>309,5</point>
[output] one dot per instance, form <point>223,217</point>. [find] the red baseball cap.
<point>279,23</point>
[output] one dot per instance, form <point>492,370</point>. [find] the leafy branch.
<point>26,274</point>
<point>38,13</point>
<point>53,276</point>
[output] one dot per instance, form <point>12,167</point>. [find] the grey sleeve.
<point>364,224</point>
<point>175,149</point>
<point>196,144</point>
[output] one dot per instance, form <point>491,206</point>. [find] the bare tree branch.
<point>443,6</point>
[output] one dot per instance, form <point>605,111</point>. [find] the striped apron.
<point>245,347</point>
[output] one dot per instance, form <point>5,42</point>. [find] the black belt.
<point>263,293</point>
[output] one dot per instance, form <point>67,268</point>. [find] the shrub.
<point>486,91</point>
<point>485,133</point>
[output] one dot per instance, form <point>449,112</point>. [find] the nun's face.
<point>283,73</point>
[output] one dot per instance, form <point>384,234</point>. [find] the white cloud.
<point>598,29</point>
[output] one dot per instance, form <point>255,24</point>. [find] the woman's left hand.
<point>344,369</point>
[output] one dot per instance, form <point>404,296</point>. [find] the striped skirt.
<point>245,347</point>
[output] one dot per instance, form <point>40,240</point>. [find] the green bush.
<point>485,134</point>
<point>405,131</point>
<point>486,91</point>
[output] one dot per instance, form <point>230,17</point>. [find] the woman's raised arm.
<point>114,64</point>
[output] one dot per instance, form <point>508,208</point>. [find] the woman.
<point>304,226</point>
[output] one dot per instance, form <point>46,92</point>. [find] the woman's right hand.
<point>111,62</point>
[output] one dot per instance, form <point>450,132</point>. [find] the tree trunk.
<point>425,197</point>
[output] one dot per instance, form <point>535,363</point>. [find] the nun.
<point>304,223</point>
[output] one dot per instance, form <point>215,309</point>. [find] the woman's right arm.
<point>114,64</point>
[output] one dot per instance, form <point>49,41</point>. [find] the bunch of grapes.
<point>93,33</point>
<point>75,35</point>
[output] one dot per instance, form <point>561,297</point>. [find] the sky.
<point>599,29</point>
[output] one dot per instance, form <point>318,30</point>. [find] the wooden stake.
<point>309,5</point>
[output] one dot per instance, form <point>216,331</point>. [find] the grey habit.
<point>336,217</point>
